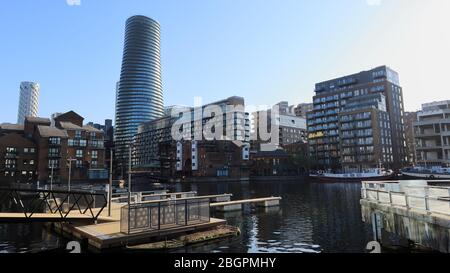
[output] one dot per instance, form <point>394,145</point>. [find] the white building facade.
<point>28,101</point>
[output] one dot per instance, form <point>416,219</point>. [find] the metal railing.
<point>423,199</point>
<point>66,204</point>
<point>139,197</point>
<point>164,214</point>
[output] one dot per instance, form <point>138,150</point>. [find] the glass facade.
<point>139,95</point>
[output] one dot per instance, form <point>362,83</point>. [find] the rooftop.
<point>12,127</point>
<point>38,120</point>
<point>48,131</point>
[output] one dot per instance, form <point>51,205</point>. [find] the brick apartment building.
<point>37,150</point>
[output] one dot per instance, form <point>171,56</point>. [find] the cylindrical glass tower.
<point>28,101</point>
<point>139,96</point>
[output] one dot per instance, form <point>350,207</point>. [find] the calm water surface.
<point>312,218</point>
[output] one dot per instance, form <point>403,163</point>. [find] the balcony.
<point>427,134</point>
<point>429,147</point>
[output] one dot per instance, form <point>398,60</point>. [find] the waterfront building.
<point>204,159</point>
<point>28,101</point>
<point>191,122</point>
<point>291,128</point>
<point>365,133</point>
<point>14,145</point>
<point>410,119</point>
<point>36,151</point>
<point>330,101</point>
<point>139,95</point>
<point>271,163</point>
<point>432,134</point>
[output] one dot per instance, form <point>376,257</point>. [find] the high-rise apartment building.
<point>28,101</point>
<point>353,106</point>
<point>139,95</point>
<point>432,133</point>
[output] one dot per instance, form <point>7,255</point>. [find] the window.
<point>77,134</point>
<point>31,162</point>
<point>94,164</point>
<point>11,150</point>
<point>77,143</point>
<point>79,153</point>
<point>25,150</point>
<point>53,163</point>
<point>53,152</point>
<point>94,154</point>
<point>79,163</point>
<point>10,163</point>
<point>54,141</point>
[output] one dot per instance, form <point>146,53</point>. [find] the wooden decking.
<point>106,234</point>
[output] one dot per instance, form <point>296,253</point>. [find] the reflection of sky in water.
<point>257,245</point>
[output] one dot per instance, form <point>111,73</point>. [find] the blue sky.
<point>263,50</point>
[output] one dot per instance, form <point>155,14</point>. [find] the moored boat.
<point>369,174</point>
<point>428,173</point>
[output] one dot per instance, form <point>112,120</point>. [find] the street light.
<point>51,178</point>
<point>129,168</point>
<point>70,160</point>
<point>110,182</point>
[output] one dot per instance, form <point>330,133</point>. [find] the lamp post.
<point>110,182</point>
<point>51,178</point>
<point>129,173</point>
<point>70,160</point>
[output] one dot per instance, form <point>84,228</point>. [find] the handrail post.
<point>406,201</point>
<point>427,204</point>
<point>390,198</point>
<point>159,215</point>
<point>378,196</point>
<point>186,212</point>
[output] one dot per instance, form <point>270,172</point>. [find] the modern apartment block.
<point>291,128</point>
<point>28,101</point>
<point>36,151</point>
<point>139,94</point>
<point>432,133</point>
<point>190,123</point>
<point>337,140</point>
<point>365,133</point>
